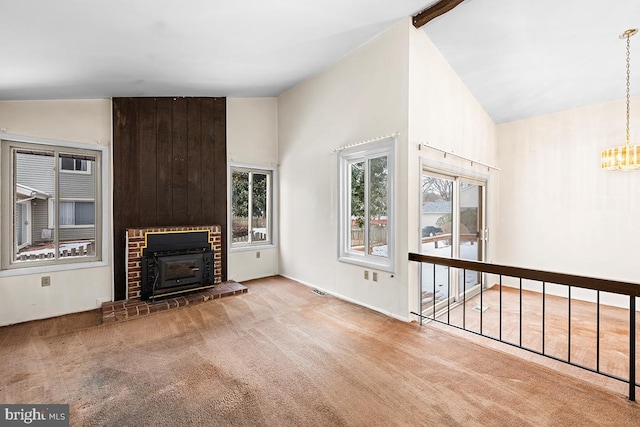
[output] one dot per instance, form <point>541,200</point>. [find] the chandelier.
<point>626,157</point>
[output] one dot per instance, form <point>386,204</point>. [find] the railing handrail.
<point>606,285</point>
<point>632,290</point>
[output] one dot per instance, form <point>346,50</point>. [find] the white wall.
<point>22,297</point>
<point>442,110</point>
<point>559,211</point>
<point>444,114</point>
<point>252,138</point>
<point>363,96</point>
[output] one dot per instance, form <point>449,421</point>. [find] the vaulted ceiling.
<point>82,49</point>
<point>524,58</point>
<point>520,58</point>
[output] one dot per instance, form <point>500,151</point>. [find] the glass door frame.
<point>481,233</point>
<point>456,292</point>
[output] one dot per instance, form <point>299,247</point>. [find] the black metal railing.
<point>438,310</point>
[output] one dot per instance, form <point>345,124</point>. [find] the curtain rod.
<point>355,144</point>
<point>451,153</point>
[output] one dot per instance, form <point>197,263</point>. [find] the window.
<point>70,164</point>
<point>366,205</point>
<point>53,217</point>
<point>251,206</point>
<point>73,213</point>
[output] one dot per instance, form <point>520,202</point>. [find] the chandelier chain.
<point>628,83</point>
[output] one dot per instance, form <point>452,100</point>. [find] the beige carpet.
<point>281,355</point>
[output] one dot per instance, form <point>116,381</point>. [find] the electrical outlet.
<point>45,281</point>
<point>375,276</point>
<point>258,254</point>
<point>366,275</point>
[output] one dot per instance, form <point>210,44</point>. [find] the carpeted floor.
<point>281,355</point>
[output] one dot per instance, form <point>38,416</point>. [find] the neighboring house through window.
<point>73,213</point>
<point>252,221</point>
<point>51,215</point>
<point>70,164</point>
<point>366,234</point>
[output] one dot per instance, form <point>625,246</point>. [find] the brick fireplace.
<point>137,241</point>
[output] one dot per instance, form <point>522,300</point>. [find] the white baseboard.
<point>351,300</point>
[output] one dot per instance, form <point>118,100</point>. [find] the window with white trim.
<point>366,203</point>
<point>70,164</point>
<point>51,216</point>
<point>73,213</point>
<point>251,206</point>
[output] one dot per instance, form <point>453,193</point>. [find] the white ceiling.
<point>523,58</point>
<point>520,58</point>
<point>86,49</point>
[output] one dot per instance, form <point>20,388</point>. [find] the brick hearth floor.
<point>124,310</point>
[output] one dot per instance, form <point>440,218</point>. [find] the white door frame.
<point>454,294</point>
<point>26,225</point>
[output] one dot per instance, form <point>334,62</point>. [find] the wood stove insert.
<point>176,262</point>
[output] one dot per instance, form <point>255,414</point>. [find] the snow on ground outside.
<point>467,251</point>
<point>63,246</point>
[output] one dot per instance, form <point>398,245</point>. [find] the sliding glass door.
<point>452,225</point>
<point>471,230</point>
<point>436,236</point>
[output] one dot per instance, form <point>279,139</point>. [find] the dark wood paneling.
<point>164,160</point>
<point>169,168</point>
<point>146,134</point>
<point>179,185</point>
<point>126,205</point>
<point>208,150</point>
<point>194,160</point>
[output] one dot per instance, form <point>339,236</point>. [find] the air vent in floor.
<point>318,291</point>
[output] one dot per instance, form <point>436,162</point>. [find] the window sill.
<point>254,247</point>
<point>42,269</point>
<point>362,262</point>
<point>75,172</point>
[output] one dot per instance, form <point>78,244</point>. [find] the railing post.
<point>420,291</point>
<point>581,282</point>
<point>632,348</point>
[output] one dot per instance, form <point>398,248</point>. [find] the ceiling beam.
<point>440,8</point>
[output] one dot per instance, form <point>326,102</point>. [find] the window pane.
<point>77,213</point>
<point>470,246</point>
<point>378,206</point>
<point>259,207</point>
<point>356,236</point>
<point>67,164</point>
<point>437,211</point>
<point>34,186</point>
<point>239,206</point>
<point>66,213</point>
<point>84,213</point>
